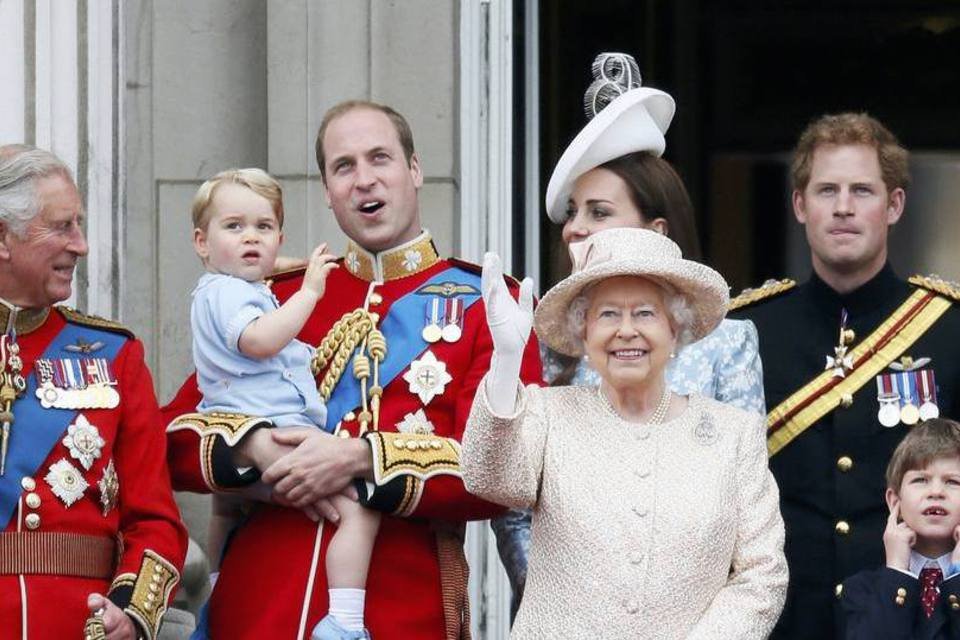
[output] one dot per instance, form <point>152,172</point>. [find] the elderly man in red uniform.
<point>85,502</point>
<point>402,344</point>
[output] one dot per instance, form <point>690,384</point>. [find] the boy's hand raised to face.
<point>898,540</point>
<point>319,267</point>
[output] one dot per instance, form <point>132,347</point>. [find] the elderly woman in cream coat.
<point>654,514</point>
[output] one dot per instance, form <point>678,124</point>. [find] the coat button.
<point>846,400</point>
<point>838,591</point>
<point>375,299</point>
<point>844,463</point>
<point>28,484</point>
<point>32,500</point>
<point>842,527</point>
<point>32,521</point>
<point>901,592</point>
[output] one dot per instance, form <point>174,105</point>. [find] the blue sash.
<point>402,327</point>
<point>35,430</point>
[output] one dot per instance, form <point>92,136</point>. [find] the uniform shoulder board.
<point>76,317</point>
<point>478,269</point>
<point>768,289</point>
<point>288,274</point>
<point>946,288</point>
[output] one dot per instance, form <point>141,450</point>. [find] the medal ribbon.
<point>824,393</point>
<point>402,328</point>
<point>41,429</point>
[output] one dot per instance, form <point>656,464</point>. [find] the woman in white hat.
<point>654,513</point>
<point>612,176</point>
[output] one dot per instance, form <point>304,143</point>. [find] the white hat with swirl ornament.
<point>624,118</point>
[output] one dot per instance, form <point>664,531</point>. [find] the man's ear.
<point>895,204</point>
<point>799,207</point>
<point>415,172</point>
<point>200,244</point>
<point>4,238</point>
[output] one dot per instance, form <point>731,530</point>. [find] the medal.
<point>109,486</point>
<point>84,441</point>
<point>416,422</point>
<point>427,377</point>
<point>840,362</point>
<point>889,399</point>
<point>431,331</point>
<point>66,482</point>
<point>453,309</point>
<point>929,409</point>
<point>909,413</point>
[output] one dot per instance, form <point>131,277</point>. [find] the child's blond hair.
<point>257,180</point>
<point>928,441</point>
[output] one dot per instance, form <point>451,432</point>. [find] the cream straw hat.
<point>630,252</point>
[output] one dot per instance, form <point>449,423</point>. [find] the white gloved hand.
<point>510,322</point>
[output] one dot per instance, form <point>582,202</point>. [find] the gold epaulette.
<point>286,274</point>
<point>946,288</point>
<point>768,289</point>
<point>230,426</point>
<point>419,455</point>
<point>76,317</point>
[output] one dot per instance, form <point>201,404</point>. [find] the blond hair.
<point>928,441</point>
<point>257,180</point>
<point>849,129</point>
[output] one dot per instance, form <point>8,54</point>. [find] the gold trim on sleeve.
<point>230,426</point>
<point>419,455</point>
<point>151,592</point>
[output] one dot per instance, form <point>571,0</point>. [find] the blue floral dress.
<point>725,366</point>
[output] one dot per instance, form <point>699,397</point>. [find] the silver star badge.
<point>109,486</point>
<point>427,377</point>
<point>840,362</point>
<point>84,441</point>
<point>416,422</point>
<point>66,482</point>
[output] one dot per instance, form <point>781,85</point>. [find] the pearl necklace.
<point>658,415</point>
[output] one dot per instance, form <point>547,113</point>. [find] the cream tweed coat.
<point>639,531</point>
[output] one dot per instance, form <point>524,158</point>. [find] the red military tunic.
<point>124,525</point>
<point>272,582</point>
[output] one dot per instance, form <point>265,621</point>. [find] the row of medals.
<point>451,318</point>
<point>891,413</point>
<point>81,395</point>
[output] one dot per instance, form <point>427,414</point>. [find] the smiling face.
<point>847,210</point>
<point>628,336</point>
<point>242,235</point>
<point>38,267</point>
<point>600,200</point>
<point>930,504</point>
<point>370,185</point>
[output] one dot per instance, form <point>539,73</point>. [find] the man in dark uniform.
<point>852,359</point>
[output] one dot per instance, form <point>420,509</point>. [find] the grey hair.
<point>678,308</point>
<point>20,167</point>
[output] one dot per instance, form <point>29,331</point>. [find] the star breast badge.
<point>84,441</point>
<point>109,486</point>
<point>427,377</point>
<point>66,482</point>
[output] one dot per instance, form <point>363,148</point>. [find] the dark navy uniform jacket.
<point>834,509</point>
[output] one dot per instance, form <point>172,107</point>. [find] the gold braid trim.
<point>230,426</point>
<point>76,317</point>
<point>151,592</point>
<point>354,332</point>
<point>768,289</point>
<point>946,288</point>
<point>419,455</point>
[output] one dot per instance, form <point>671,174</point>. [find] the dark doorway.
<point>747,77</point>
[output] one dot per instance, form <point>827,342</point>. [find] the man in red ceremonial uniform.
<point>402,345</point>
<point>86,508</point>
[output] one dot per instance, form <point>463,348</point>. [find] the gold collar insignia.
<point>407,259</point>
<point>23,321</point>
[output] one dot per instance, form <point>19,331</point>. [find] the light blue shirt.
<point>280,387</point>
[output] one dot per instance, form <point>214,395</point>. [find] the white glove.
<point>510,323</point>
